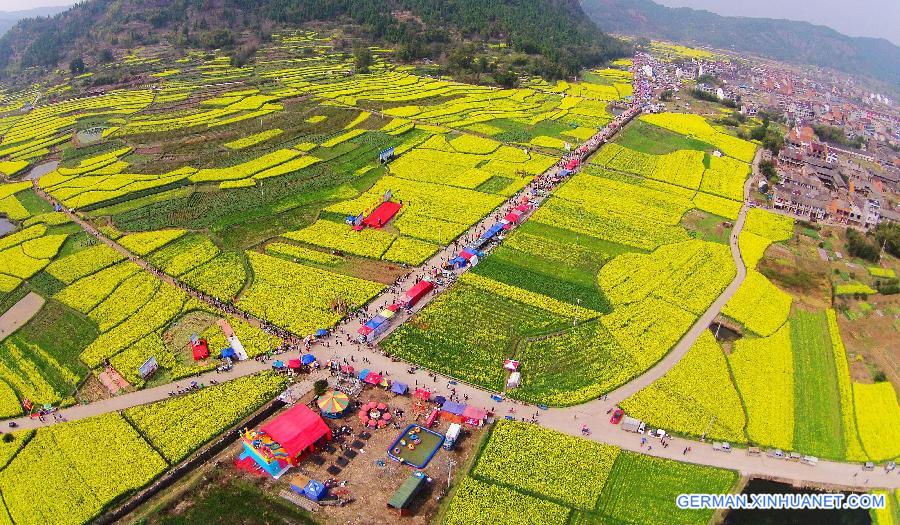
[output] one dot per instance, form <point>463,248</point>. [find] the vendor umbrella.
<point>382,406</point>
<point>321,332</point>
<point>386,416</point>
<point>371,423</point>
<point>307,359</point>
<point>333,402</point>
<point>278,364</point>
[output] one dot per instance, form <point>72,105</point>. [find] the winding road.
<point>569,420</point>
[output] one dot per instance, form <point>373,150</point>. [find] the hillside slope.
<point>785,40</point>
<point>556,29</point>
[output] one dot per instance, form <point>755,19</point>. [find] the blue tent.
<point>458,262</point>
<point>314,490</point>
<point>453,408</point>
<point>565,173</point>
<point>307,359</point>
<point>363,374</point>
<point>399,388</point>
<point>278,364</point>
<point>228,352</point>
<point>321,332</point>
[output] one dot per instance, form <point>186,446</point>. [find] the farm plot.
<point>616,212</point>
<point>698,128</point>
<point>818,429</point>
<point>689,274</point>
<point>534,460</point>
<point>759,305</point>
<point>877,419</point>
<point>469,330</point>
<point>77,478</point>
<point>178,426</point>
<point>477,503</point>
<point>301,298</point>
<point>852,445</point>
<point>693,393</point>
<point>564,479</point>
<point>763,372</point>
<point>642,489</point>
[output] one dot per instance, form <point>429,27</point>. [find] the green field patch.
<point>817,401</point>
<point>467,332</point>
<point>647,138</point>
<point>495,184</point>
<point>642,489</point>
<point>546,276</point>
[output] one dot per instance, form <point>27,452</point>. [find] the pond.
<point>792,517</point>
<point>41,169</point>
<point>6,226</point>
<point>724,333</point>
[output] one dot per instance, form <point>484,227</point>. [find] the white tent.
<point>513,380</point>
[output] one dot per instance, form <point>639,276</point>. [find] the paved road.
<point>570,420</point>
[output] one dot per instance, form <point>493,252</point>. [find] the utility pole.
<point>450,465</point>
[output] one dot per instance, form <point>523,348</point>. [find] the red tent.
<point>297,430</point>
<point>421,393</point>
<point>200,349</point>
<point>417,292</point>
<point>512,216</point>
<point>294,363</point>
<point>373,378</point>
<point>522,207</point>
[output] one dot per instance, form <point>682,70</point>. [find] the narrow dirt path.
<point>20,313</point>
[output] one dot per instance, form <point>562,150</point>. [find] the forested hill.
<point>557,30</point>
<point>785,40</point>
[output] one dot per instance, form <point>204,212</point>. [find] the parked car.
<point>617,416</point>
<point>722,446</point>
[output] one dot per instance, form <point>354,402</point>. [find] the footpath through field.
<point>594,415</point>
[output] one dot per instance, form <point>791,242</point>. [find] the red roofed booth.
<point>417,292</point>
<point>299,431</point>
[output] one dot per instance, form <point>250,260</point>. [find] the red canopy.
<point>522,207</point>
<point>512,216</point>
<point>297,429</point>
<point>382,214</point>
<point>364,330</point>
<point>373,378</point>
<point>421,393</point>
<point>294,363</point>
<point>417,292</point>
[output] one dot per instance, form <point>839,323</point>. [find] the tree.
<point>858,246</point>
<point>362,58</point>
<point>106,56</point>
<point>666,95</point>
<point>76,66</point>
<point>767,168</point>
<point>888,235</point>
<point>320,386</point>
